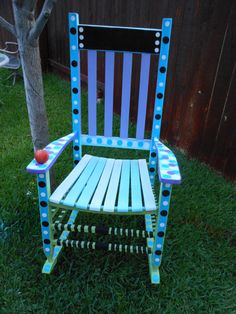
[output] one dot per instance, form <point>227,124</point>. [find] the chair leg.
<point>161,222</point>
<point>43,181</point>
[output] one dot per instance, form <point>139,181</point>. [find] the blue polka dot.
<point>99,141</point>
<point>119,142</point>
<point>164,166</point>
<point>129,144</point>
<point>140,144</point>
<point>109,142</point>
<point>89,140</point>
<point>166,176</point>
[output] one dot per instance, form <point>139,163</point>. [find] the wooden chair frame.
<point>160,157</point>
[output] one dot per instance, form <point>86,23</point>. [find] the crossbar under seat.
<point>107,185</point>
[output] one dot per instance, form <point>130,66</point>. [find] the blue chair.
<point>111,186</point>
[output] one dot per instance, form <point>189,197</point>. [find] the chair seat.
<point>107,185</point>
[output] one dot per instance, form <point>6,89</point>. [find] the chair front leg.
<point>43,181</point>
<point>161,223</point>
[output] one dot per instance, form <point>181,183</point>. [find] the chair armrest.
<point>54,150</point>
<point>168,169</point>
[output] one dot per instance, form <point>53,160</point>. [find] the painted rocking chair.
<point>106,185</point>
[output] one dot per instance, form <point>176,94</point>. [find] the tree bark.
<point>32,73</point>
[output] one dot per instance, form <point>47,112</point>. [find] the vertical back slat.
<point>125,98</point>
<point>109,89</point>
<point>143,93</point>
<point>92,92</point>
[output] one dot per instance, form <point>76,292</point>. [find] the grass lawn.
<point>198,273</point>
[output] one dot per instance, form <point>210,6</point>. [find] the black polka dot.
<point>157,116</point>
<point>42,184</point>
<point>165,193</point>
<point>162,69</point>
<point>158,252</point>
<point>47,241</point>
<point>153,154</point>
<point>76,147</point>
<point>164,213</point>
<point>43,204</point>
<point>73,30</point>
<point>74,63</point>
<point>45,223</point>
<point>160,234</point>
<point>165,40</point>
<point>76,162</point>
<point>75,90</point>
<point>75,111</point>
<point>159,95</point>
<point>151,169</point>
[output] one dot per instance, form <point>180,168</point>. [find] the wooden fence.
<point>200,106</point>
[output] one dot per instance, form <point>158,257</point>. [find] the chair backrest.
<point>111,40</point>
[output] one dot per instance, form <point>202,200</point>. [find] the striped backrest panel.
<point>129,41</point>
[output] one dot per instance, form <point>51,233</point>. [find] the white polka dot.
<point>154,147</point>
<point>74,79</point>
<point>157,34</point>
<point>163,57</point>
<point>73,47</point>
<point>151,177</point>
<point>158,108</point>
<point>44,215</point>
<point>81,45</point>
<point>157,259</point>
<point>158,246</point>
<point>75,102</point>
<point>167,185</point>
<point>153,162</point>
<point>76,155</point>
<point>42,194</point>
<point>161,84</point>
<point>76,141</point>
<point>157,42</point>
<point>81,29</point>
<point>157,126</point>
<point>156,49</point>
<point>45,232</point>
<point>41,176</point>
<point>162,225</point>
<point>165,203</point>
<point>72,18</point>
<point>47,249</point>
<point>81,37</point>
<point>167,23</point>
<point>75,121</point>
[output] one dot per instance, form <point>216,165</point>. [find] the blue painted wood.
<point>91,184</point>
<point>78,187</point>
<point>69,181</point>
<point>143,93</point>
<point>125,98</point>
<point>160,91</point>
<point>75,83</point>
<point>136,196</point>
<point>109,90</point>
<point>161,223</point>
<point>92,92</point>
<point>109,204</point>
<point>123,199</point>
<point>116,142</point>
<point>43,183</point>
<point>148,197</point>
<point>96,203</point>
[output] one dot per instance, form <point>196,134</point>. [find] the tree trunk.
<point>32,73</point>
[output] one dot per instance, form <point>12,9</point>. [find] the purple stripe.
<point>143,93</point>
<point>92,92</point>
<point>126,89</point>
<point>109,86</point>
